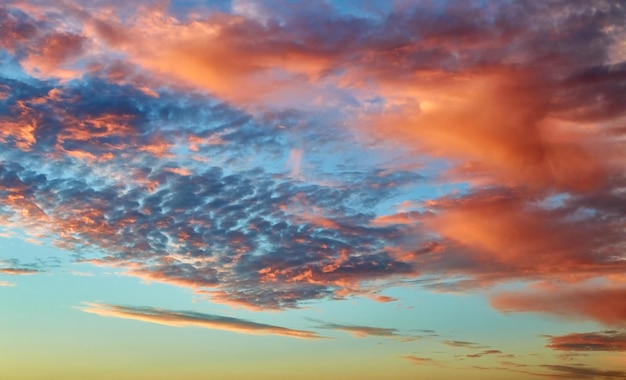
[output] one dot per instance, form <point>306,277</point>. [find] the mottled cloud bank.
<point>276,153</point>
<point>188,318</point>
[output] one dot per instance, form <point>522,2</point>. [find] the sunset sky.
<point>280,189</point>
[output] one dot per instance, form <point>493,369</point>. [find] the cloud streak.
<point>362,331</point>
<point>188,318</point>
<point>593,341</point>
<point>18,271</point>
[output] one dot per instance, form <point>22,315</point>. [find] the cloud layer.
<point>271,154</point>
<point>274,154</point>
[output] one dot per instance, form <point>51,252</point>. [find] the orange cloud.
<point>498,122</point>
<point>229,55</point>
<point>18,271</point>
<point>603,304</point>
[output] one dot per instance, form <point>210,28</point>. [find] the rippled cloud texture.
<point>270,155</point>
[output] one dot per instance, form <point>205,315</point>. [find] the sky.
<point>277,189</point>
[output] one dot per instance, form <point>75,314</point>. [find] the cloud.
<point>602,304</point>
<point>362,331</point>
<point>15,267</point>
<point>420,360</point>
<point>494,235</point>
<point>18,271</point>
<point>267,155</point>
<point>7,283</point>
<point>593,341</point>
<point>51,54</point>
<point>17,28</point>
<point>123,192</point>
<point>188,318</point>
<point>581,372</point>
<point>462,344</point>
<point>188,166</point>
<point>480,354</point>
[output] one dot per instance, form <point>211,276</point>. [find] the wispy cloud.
<point>188,318</point>
<point>362,331</point>
<point>15,267</point>
<point>592,341</point>
<point>583,372</point>
<point>420,360</point>
<point>483,353</point>
<point>600,303</point>
<point>18,271</point>
<point>462,344</point>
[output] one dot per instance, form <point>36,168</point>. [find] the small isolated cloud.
<point>462,344</point>
<point>420,360</point>
<point>190,318</point>
<point>592,341</point>
<point>487,352</point>
<point>362,331</point>
<point>7,283</point>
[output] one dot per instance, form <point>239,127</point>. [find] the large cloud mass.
<point>285,153</point>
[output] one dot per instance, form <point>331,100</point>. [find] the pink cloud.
<point>602,304</point>
<point>49,56</point>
